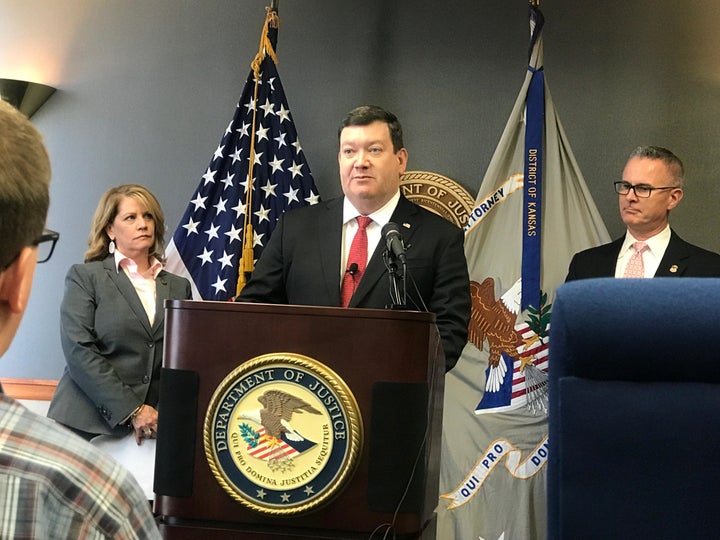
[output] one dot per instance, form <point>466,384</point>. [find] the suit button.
<point>146,379</point>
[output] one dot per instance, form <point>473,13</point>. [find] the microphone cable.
<point>390,527</point>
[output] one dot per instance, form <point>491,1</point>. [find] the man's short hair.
<point>664,155</point>
<point>367,114</point>
<point>24,183</point>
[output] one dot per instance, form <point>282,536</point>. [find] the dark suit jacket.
<point>681,259</point>
<point>113,354</point>
<point>301,265</point>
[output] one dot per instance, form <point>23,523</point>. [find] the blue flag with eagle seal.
<point>532,213</point>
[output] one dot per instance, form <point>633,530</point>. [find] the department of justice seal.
<point>438,194</point>
<point>283,434</point>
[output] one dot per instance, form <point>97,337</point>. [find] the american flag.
<point>232,215</point>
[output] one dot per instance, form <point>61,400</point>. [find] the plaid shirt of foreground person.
<point>55,485</point>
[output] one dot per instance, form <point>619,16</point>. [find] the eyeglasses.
<point>45,244</point>
<point>641,190</point>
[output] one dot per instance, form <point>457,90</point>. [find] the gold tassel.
<point>247,260</point>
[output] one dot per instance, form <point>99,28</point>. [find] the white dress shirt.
<point>374,229</point>
<point>144,283</point>
<point>651,257</point>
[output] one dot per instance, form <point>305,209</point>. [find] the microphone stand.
<point>397,296</point>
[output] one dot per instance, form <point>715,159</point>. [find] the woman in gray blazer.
<point>112,320</point>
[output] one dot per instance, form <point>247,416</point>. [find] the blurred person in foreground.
<point>112,320</point>
<point>651,186</point>
<point>52,483</point>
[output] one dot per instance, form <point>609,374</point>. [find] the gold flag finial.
<point>271,20</point>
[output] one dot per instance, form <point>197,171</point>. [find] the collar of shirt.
<point>379,219</point>
<point>652,256</point>
<point>126,263</point>
<point>144,284</point>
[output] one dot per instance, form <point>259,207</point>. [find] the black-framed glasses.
<point>46,245</point>
<point>641,190</point>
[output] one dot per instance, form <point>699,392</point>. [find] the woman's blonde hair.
<point>107,211</point>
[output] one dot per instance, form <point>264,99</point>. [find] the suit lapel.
<point>128,292</point>
<point>329,238</point>
<point>608,264</point>
<point>162,293</point>
<point>674,261</point>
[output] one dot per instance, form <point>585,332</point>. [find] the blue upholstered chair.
<point>635,410</point>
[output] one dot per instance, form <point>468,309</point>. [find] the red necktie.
<point>356,262</point>
<point>635,267</point>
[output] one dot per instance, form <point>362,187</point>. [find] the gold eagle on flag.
<point>493,320</point>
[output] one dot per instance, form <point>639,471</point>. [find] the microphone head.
<point>390,228</point>
<point>352,269</point>
<point>394,241</point>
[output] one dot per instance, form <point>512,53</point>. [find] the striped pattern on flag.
<point>267,449</point>
<point>538,351</point>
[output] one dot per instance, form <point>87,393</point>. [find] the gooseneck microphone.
<point>394,242</point>
<point>394,257</point>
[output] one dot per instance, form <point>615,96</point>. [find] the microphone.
<point>352,269</point>
<point>394,241</point>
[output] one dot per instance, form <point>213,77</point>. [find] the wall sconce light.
<point>28,97</point>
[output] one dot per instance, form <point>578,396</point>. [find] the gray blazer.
<point>113,354</point>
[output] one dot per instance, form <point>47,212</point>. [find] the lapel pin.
<point>674,268</point>
<point>406,225</point>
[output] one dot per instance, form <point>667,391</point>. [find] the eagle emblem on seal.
<point>278,409</point>
<point>275,439</point>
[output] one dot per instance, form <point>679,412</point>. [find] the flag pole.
<point>247,259</point>
<point>239,212</point>
<point>274,5</point>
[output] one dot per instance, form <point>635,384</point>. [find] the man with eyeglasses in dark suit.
<point>651,186</point>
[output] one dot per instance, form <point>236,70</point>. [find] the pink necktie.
<point>356,260</point>
<point>635,267</point>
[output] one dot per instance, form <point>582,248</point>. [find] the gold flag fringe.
<point>247,260</point>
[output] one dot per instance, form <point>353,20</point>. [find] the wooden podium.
<point>392,363</point>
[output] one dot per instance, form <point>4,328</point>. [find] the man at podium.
<point>371,248</point>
